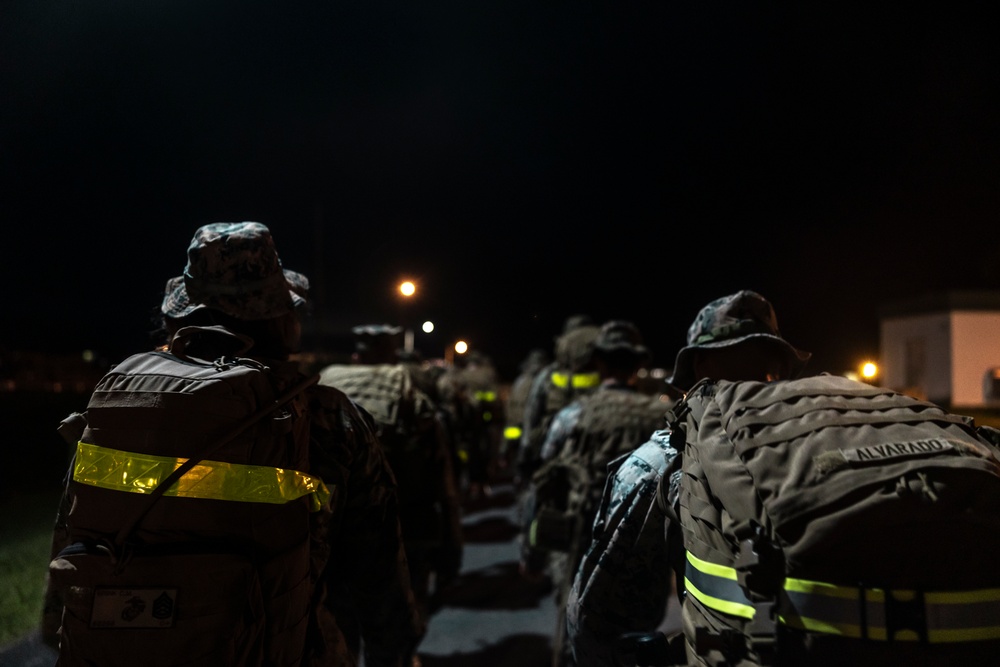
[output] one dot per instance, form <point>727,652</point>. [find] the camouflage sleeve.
<point>624,581</point>
<point>360,562</point>
<point>559,431</point>
<point>532,430</point>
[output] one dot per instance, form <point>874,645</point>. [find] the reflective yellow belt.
<point>576,380</point>
<point>512,433</point>
<point>818,607</point>
<point>485,396</point>
<point>141,473</point>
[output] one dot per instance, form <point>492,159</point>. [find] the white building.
<point>943,347</point>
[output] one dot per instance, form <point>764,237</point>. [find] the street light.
<point>407,288</point>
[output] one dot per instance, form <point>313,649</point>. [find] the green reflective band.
<point>715,587</point>
<point>577,380</point>
<point>140,473</point>
<point>485,396</point>
<point>512,433</point>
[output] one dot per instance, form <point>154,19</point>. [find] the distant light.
<point>461,347</point>
<point>427,326</point>
<point>88,356</point>
<point>869,370</point>
<point>407,288</point>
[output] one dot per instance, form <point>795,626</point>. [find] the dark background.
<point>522,161</point>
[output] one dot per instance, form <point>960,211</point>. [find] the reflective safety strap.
<point>820,607</point>
<point>949,616</point>
<point>512,433</point>
<point>577,380</point>
<point>140,473</point>
<point>716,587</point>
<point>485,396</point>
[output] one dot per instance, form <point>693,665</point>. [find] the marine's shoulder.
<point>647,461</point>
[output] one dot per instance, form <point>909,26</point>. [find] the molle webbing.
<point>854,611</point>
<point>786,419</point>
<point>119,470</point>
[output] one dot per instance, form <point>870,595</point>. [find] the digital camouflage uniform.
<point>554,387</point>
<point>517,400</point>
<point>357,562</point>
<point>625,578</point>
<point>414,440</point>
<point>583,438</point>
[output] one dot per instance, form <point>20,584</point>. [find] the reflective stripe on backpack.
<point>576,380</point>
<point>119,470</point>
<point>850,611</point>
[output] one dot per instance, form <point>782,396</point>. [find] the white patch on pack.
<point>895,450</point>
<point>134,608</point>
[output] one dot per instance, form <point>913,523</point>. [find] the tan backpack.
<point>830,522</point>
<point>189,527</point>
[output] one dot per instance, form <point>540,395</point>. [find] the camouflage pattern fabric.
<point>380,389</point>
<point>584,437</point>
<point>416,446</point>
<point>358,562</point>
<point>625,577</point>
<point>234,267</point>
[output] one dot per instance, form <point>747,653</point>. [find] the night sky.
<point>522,161</point>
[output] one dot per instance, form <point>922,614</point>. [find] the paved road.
<point>491,618</point>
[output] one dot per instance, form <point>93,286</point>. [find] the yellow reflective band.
<point>725,606</point>
<point>963,597</point>
<point>486,396</point>
<point>832,590</point>
<point>577,380</point>
<point>842,629</point>
<point>708,582</point>
<point>963,635</point>
<point>946,612</point>
<point>216,480</point>
<point>951,616</point>
<point>512,433</point>
<point>711,568</point>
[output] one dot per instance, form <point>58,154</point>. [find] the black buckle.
<point>903,615</point>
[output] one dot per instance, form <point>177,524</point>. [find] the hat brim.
<point>177,302</point>
<point>639,351</point>
<point>683,375</point>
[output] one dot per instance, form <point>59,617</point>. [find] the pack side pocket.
<point>159,609</point>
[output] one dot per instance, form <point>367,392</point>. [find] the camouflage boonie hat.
<point>728,321</point>
<point>574,349</point>
<point>620,335</point>
<point>233,267</point>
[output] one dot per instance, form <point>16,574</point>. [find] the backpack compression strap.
<point>854,611</point>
